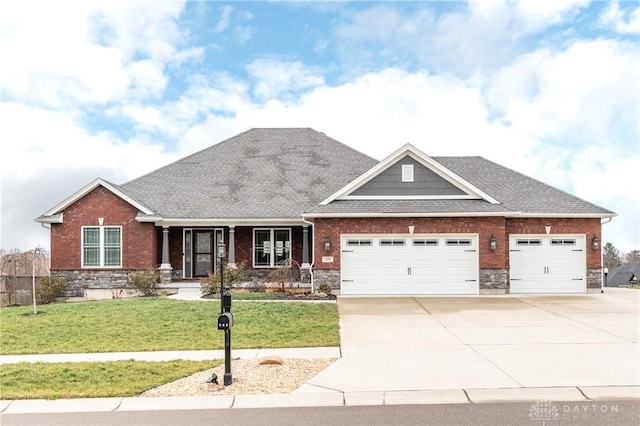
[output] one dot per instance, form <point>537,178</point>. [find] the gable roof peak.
<point>409,150</point>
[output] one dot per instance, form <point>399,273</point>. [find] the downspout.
<point>607,220</point>
<point>313,245</point>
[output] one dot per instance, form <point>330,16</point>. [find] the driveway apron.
<point>431,343</point>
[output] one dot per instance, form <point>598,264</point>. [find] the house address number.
<point>327,259</point>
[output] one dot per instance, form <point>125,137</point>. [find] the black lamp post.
<point>606,272</point>
<point>225,320</point>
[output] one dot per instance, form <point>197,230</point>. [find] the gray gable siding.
<point>261,173</point>
<point>389,182</point>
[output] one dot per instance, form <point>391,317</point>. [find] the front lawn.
<point>92,379</point>
<point>160,324</point>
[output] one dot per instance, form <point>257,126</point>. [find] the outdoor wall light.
<point>493,243</point>
<point>595,243</point>
<point>221,250</point>
<point>327,244</point>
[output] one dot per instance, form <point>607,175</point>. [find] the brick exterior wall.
<point>139,242</point>
<point>494,265</point>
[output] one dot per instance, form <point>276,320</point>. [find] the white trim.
<point>49,217</point>
<point>409,197</point>
<point>101,247</point>
<point>272,246</point>
<point>513,214</point>
<point>420,157</point>
<point>213,222</point>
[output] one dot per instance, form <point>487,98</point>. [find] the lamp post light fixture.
<point>606,272</point>
<point>493,243</point>
<point>595,243</point>
<point>225,320</point>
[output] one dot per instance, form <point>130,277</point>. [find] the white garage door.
<point>409,264</point>
<point>547,264</point>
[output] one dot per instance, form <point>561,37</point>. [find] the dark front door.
<point>203,246</point>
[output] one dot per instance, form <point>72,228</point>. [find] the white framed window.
<point>101,247</point>
<point>271,246</point>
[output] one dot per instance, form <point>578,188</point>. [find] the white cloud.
<point>614,17</point>
<point>273,77</point>
<point>225,17</point>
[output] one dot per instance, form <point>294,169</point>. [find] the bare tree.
<point>632,256</point>
<point>611,256</point>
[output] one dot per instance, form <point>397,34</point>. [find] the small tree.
<point>288,271</point>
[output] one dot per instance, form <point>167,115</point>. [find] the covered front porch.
<point>189,252</point>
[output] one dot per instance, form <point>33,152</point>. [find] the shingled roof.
<point>261,173</point>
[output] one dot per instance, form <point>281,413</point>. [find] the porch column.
<point>166,264</point>
<point>305,246</point>
<point>232,246</point>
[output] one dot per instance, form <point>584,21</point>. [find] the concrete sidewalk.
<point>430,350</point>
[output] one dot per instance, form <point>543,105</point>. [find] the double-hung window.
<point>271,247</point>
<point>101,246</point>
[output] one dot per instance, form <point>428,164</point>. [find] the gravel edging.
<point>249,378</point>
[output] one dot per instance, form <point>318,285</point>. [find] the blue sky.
<point>115,89</point>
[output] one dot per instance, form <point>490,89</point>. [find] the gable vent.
<point>407,172</point>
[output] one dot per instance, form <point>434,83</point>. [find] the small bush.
<point>232,277</point>
<point>325,288</point>
<point>288,271</point>
<point>256,287</point>
<point>50,288</point>
<point>145,282</point>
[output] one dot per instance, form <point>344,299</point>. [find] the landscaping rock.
<point>271,360</point>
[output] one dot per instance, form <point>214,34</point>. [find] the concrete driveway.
<point>434,343</point>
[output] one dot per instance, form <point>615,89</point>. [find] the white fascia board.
<point>90,187</point>
<point>182,222</point>
<point>565,215</point>
<point>55,218</point>
<point>421,158</point>
<point>410,197</point>
<point>359,215</point>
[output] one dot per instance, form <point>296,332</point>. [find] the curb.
<point>323,399</point>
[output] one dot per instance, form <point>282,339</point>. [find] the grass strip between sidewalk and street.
<point>92,379</point>
<point>161,324</point>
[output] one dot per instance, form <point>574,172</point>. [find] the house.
<point>625,275</point>
<point>409,224</point>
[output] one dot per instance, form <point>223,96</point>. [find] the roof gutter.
<point>313,257</point>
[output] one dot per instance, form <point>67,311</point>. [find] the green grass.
<point>157,324</point>
<point>92,379</point>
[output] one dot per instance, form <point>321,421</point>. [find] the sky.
<point>116,89</point>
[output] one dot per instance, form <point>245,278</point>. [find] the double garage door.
<point>409,264</point>
<point>547,264</point>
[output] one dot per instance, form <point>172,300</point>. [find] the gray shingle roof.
<point>515,192</point>
<point>261,173</point>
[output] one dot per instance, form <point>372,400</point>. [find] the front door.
<point>202,253</point>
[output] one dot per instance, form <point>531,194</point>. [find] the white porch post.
<point>232,246</point>
<point>165,249</point>
<point>305,247</point>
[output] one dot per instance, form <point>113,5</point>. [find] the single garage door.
<point>547,264</point>
<point>414,264</point>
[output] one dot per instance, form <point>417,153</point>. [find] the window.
<point>101,246</point>
<point>527,242</point>
<point>391,242</point>
<point>458,242</point>
<point>425,242</point>
<point>358,242</point>
<point>407,172</point>
<point>271,247</point>
<point>563,242</point>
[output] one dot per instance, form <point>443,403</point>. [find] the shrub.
<point>232,277</point>
<point>145,282</point>
<point>50,288</point>
<point>325,288</point>
<point>256,287</point>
